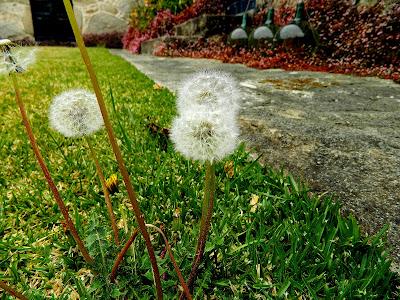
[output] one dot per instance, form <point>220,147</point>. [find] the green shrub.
<point>141,16</point>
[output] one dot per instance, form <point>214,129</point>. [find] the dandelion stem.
<point>171,255</point>
<point>115,147</point>
<point>207,211</point>
<point>46,172</point>
<point>121,255</point>
<point>176,267</point>
<point>11,291</point>
<point>105,191</point>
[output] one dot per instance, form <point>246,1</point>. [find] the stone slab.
<point>103,16</point>
<point>15,20</point>
<point>338,133</point>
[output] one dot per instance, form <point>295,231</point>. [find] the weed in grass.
<point>14,69</point>
<point>206,130</point>
<point>116,149</point>
<point>15,59</point>
<point>76,114</point>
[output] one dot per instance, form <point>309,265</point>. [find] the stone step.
<point>208,25</point>
<point>149,46</point>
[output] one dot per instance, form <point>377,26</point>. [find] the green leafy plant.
<point>75,114</point>
<point>141,16</point>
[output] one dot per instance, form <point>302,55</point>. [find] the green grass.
<point>293,244</point>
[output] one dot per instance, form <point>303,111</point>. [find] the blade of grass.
<point>128,142</point>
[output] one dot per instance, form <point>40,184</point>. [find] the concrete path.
<point>340,134</point>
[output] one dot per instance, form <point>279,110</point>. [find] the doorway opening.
<point>50,21</point>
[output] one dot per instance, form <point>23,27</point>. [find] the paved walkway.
<point>340,134</point>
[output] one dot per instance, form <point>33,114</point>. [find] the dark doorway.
<point>50,21</point>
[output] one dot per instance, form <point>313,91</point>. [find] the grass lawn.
<point>270,237</point>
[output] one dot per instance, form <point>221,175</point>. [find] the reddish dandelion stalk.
<point>121,255</point>
<point>171,255</point>
<point>46,172</point>
<point>115,147</point>
<point>11,291</point>
<point>207,211</point>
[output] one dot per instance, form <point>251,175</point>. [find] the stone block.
<point>78,16</point>
<point>91,9</point>
<point>125,7</point>
<point>103,22</point>
<point>109,7</point>
<point>27,21</point>
<point>84,2</point>
<point>26,2</point>
<point>12,29</point>
<point>15,20</point>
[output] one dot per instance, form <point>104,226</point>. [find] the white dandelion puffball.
<point>75,113</point>
<point>291,31</point>
<point>213,90</point>
<point>4,42</point>
<point>205,136</point>
<point>14,58</point>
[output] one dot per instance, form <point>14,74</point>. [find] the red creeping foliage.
<point>162,24</point>
<point>352,39</point>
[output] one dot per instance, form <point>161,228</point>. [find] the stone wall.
<point>103,16</point>
<point>93,16</point>
<point>15,19</point>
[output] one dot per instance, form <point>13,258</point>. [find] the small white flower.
<point>14,58</point>
<point>75,113</point>
<point>204,135</point>
<point>291,31</point>
<point>213,90</point>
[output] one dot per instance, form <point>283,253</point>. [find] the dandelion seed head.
<point>204,135</point>
<point>213,90</point>
<point>291,31</point>
<point>4,42</point>
<point>75,113</point>
<point>15,58</point>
